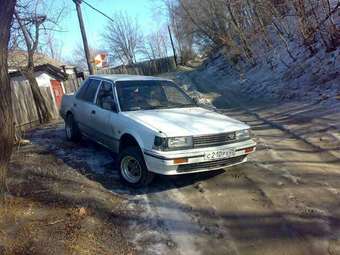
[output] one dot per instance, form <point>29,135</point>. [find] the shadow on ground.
<point>99,164</point>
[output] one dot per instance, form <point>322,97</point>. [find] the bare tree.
<point>123,38</point>
<point>32,41</point>
<point>6,114</point>
<point>30,24</point>
<point>305,24</point>
<point>183,26</point>
<point>156,45</point>
<point>78,56</point>
<point>52,47</point>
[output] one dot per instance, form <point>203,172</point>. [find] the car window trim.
<point>113,94</point>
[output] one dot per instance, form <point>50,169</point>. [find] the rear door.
<point>102,121</point>
<point>84,104</point>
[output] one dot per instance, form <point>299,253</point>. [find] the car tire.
<point>71,129</point>
<point>132,168</point>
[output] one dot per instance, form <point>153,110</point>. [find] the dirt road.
<point>283,201</point>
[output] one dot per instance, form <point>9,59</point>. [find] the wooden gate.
<point>57,91</point>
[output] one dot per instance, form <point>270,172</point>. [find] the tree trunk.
<point>40,103</point>
<point>6,113</point>
<point>247,50</point>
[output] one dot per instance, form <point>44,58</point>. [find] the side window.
<point>91,91</point>
<point>105,97</point>
<point>82,89</point>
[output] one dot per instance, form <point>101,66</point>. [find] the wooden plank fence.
<point>72,84</point>
<point>150,67</point>
<point>24,109</point>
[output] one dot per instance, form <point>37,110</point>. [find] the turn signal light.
<point>248,150</point>
<point>180,160</point>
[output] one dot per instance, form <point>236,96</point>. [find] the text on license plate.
<point>220,154</point>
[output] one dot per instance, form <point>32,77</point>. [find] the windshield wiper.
<point>156,107</point>
<point>169,106</point>
<point>182,105</point>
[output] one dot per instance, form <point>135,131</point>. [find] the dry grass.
<point>52,209</point>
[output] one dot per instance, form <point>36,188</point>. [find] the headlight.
<point>243,134</point>
<point>180,142</point>
<point>172,143</point>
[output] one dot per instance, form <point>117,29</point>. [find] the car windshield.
<point>151,94</point>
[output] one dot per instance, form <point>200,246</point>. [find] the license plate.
<point>228,153</point>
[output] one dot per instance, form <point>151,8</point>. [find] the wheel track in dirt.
<point>286,225</point>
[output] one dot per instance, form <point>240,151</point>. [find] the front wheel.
<point>71,129</point>
<point>132,168</point>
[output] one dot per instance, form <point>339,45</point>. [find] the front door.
<point>57,91</point>
<point>103,118</point>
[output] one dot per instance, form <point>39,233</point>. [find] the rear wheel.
<point>71,129</point>
<point>132,168</point>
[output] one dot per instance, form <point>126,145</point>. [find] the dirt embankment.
<point>55,208</point>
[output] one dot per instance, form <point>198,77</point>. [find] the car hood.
<point>186,121</point>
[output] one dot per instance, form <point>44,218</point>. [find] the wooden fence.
<point>24,109</point>
<point>72,84</point>
<point>151,67</point>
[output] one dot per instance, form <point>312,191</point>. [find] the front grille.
<point>210,164</point>
<point>214,140</point>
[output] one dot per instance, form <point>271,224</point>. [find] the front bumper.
<point>162,162</point>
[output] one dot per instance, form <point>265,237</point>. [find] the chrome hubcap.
<point>131,169</point>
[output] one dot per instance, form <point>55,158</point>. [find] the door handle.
<point>93,112</point>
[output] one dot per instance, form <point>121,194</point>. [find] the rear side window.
<point>89,91</point>
<point>82,89</point>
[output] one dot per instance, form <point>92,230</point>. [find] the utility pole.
<point>83,35</point>
<point>173,46</point>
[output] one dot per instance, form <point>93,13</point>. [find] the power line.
<point>94,8</point>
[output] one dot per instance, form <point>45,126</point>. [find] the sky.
<point>147,12</point>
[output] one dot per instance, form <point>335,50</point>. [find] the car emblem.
<point>231,136</point>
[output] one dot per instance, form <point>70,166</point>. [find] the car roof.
<point>127,77</point>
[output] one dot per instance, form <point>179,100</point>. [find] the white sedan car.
<point>154,126</point>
